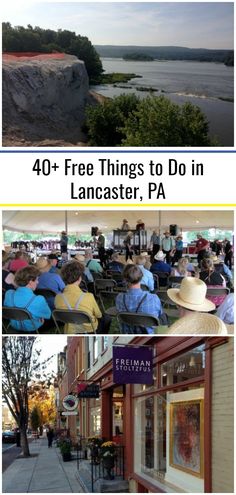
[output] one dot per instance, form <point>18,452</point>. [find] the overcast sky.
<point>51,345</point>
<point>195,25</point>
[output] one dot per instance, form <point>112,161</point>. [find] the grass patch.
<point>117,77</point>
<point>149,89</point>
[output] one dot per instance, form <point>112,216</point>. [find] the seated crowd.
<point>143,288</point>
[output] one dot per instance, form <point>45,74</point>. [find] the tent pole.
<point>66,222</point>
<point>159,227</point>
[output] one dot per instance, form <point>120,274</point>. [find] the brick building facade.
<point>192,377</point>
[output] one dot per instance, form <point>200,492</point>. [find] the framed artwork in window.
<point>187,436</point>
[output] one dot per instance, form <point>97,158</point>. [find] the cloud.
<point>192,24</point>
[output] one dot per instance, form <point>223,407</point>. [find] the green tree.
<point>159,122</point>
<point>84,50</point>
<point>20,363</point>
<point>16,371</point>
<point>35,418</point>
<point>152,121</point>
<point>104,122</point>
<point>20,39</point>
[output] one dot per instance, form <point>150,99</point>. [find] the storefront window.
<point>143,388</point>
<point>169,439</point>
<point>118,391</point>
<point>104,343</point>
<point>189,365</point>
<point>117,418</point>
<point>95,348</point>
<point>95,417</point>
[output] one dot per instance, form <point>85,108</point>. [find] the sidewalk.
<point>43,472</point>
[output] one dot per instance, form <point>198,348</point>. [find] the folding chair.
<point>118,277</point>
<point>18,314</point>
<point>144,287</point>
<point>47,293</point>
<point>83,286</point>
<point>175,281</point>
<point>96,275</point>
<point>168,305</point>
<point>156,282</point>
<point>104,284</point>
<point>140,320</point>
<point>72,316</point>
<point>107,301</point>
<point>163,278</point>
<point>217,295</point>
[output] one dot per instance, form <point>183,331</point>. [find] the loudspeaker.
<point>173,230</point>
<point>94,231</point>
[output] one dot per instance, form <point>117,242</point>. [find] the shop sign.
<point>70,402</point>
<point>69,413</point>
<point>88,391</point>
<point>132,365</point>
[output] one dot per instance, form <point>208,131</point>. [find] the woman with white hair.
<point>147,278</point>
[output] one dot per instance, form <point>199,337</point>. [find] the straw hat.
<point>43,264</point>
<point>140,220</point>
<point>191,295</point>
<point>166,232</point>
<point>80,258</point>
<point>199,323</point>
<point>159,256</point>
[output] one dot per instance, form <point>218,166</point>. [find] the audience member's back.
<point>135,300</point>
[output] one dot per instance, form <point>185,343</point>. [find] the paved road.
<point>6,446</point>
<point>10,452</point>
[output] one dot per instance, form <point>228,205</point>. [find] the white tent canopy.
<point>80,221</point>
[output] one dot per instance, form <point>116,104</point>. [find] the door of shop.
<point>118,415</point>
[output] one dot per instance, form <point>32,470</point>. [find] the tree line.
<point>153,121</point>
<point>21,39</point>
<point>167,52</point>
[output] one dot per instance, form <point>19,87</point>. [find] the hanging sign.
<point>132,365</point>
<point>69,413</point>
<point>70,402</point>
<point>88,391</point>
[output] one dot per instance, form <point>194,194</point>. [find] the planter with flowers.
<point>108,455</point>
<point>65,448</point>
<point>94,444</point>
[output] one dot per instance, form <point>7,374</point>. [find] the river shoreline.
<point>208,85</point>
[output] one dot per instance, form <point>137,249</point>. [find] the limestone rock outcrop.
<point>44,97</point>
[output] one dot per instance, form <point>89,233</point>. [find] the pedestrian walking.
<point>50,436</point>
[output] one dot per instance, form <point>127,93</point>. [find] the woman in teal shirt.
<point>23,297</point>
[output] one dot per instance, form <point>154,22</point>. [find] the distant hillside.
<point>166,52</point>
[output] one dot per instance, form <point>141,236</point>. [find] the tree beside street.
<point>20,364</point>
<point>35,418</point>
<point>42,397</point>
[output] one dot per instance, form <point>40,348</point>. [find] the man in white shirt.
<point>167,244</point>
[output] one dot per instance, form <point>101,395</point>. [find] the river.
<point>201,83</point>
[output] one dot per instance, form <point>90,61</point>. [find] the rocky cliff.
<point>44,98</point>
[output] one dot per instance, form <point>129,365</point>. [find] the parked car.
<point>9,436</point>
